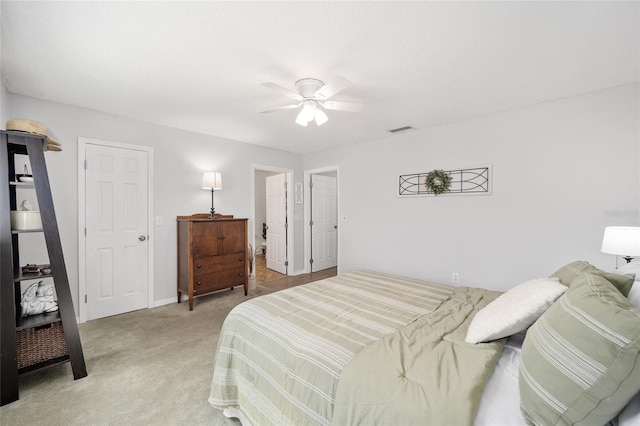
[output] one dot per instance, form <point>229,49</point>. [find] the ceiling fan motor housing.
<point>307,87</point>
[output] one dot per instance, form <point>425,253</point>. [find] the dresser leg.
<point>191,303</point>
<point>179,297</point>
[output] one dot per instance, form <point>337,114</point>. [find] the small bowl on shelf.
<point>25,220</point>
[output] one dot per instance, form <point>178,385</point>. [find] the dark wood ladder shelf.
<point>12,323</point>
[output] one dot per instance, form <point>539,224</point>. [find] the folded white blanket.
<point>39,298</point>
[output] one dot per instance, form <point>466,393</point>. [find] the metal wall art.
<point>468,181</point>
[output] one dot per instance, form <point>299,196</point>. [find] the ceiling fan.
<point>313,96</point>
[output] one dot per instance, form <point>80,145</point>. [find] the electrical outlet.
<point>455,277</point>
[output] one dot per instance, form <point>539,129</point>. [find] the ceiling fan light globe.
<point>301,119</point>
<point>307,114</point>
<point>320,117</point>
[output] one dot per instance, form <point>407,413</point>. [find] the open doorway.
<point>269,230</point>
<point>321,219</point>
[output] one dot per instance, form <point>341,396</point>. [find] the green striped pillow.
<point>580,361</point>
<point>568,273</point>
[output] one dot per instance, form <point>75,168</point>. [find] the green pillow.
<point>581,360</point>
<point>570,272</point>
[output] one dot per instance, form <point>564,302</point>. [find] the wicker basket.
<point>36,345</point>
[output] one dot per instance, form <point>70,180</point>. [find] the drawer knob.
<point>198,266</point>
<point>198,283</point>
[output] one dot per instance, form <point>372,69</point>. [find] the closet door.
<point>324,231</point>
<point>277,223</point>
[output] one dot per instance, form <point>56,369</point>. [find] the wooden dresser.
<point>212,255</point>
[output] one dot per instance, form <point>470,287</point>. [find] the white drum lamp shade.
<point>212,180</point>
<point>622,241</point>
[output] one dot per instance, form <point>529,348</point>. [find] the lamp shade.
<point>621,240</point>
<point>212,180</point>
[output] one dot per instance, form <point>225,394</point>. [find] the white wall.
<point>562,171</point>
<point>180,158</point>
<point>4,97</point>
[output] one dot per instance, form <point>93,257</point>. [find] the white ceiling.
<point>198,65</point>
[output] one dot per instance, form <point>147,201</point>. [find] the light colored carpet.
<point>150,367</point>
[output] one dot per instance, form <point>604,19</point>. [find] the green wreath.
<point>438,182</point>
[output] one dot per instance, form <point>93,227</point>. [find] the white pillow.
<point>514,310</point>
<point>632,268</point>
<point>634,294</point>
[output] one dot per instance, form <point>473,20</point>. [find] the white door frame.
<point>82,258</point>
<point>290,204</point>
<point>307,213</point>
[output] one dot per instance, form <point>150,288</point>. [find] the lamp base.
<point>213,210</point>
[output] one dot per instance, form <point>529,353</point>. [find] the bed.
<point>372,348</point>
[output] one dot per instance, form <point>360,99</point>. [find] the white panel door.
<point>116,230</point>
<point>277,222</point>
<point>324,228</point>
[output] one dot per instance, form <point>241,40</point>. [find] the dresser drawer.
<point>209,264</point>
<point>203,283</point>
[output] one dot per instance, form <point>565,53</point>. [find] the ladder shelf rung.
<point>33,321</point>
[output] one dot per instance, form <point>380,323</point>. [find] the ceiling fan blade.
<point>331,88</point>
<point>280,108</point>
<point>283,90</point>
<point>342,106</point>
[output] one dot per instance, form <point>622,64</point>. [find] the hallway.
<point>276,281</point>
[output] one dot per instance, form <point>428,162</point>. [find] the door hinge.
<point>85,232</point>
<point>310,223</point>
<point>286,184</point>
<point>85,298</point>
<point>310,184</point>
<point>286,225</point>
<point>311,261</point>
<point>286,263</point>
<point>85,164</point>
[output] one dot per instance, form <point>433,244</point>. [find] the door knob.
<point>142,237</point>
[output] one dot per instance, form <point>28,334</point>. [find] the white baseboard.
<point>168,301</point>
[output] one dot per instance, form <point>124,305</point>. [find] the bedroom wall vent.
<point>400,129</point>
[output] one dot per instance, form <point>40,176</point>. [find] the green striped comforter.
<point>280,356</point>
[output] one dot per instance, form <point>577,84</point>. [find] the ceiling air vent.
<point>400,129</point>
